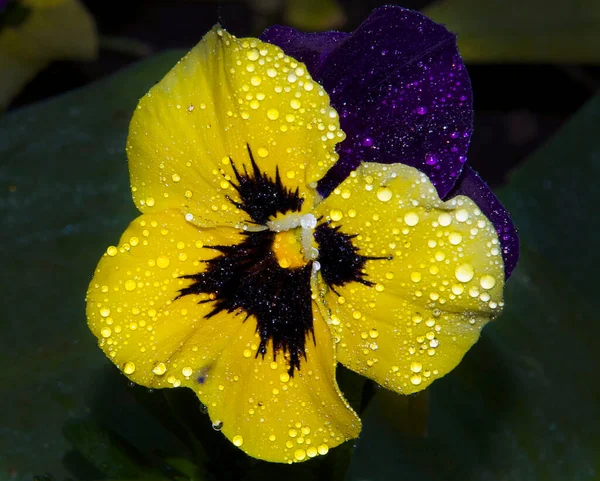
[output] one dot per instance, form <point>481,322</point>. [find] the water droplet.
<point>299,454</point>
<point>487,281</point>
<point>105,312</point>
<point>150,201</point>
<point>273,114</point>
<point>415,277</point>
<point>284,377</point>
<point>336,215</point>
<point>462,215</point>
<point>421,110</point>
<point>415,379</point>
<point>247,353</point>
<point>130,285</point>
<point>159,368</point>
<point>416,366</point>
<point>295,104</point>
<point>384,194</point>
<point>312,452</point>
<point>106,332</point>
<point>262,152</point>
<point>217,425</point>
<point>112,251</point>
<point>464,272</point>
<point>163,262</point>
<point>444,219</point>
<point>367,142</point>
<point>411,218</point>
<point>323,449</point>
<point>238,440</point>
<point>431,159</point>
<point>455,238</point>
<point>187,371</point>
<point>252,55</point>
<point>129,367</point>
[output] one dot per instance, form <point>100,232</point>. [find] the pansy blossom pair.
<point>274,243</point>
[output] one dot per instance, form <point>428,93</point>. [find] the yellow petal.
<point>160,341</point>
<point>439,283</point>
<point>271,415</point>
<point>131,305</point>
<point>53,30</point>
<point>226,95</point>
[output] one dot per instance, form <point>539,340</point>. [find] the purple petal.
<point>310,48</point>
<point>400,87</point>
<point>471,185</point>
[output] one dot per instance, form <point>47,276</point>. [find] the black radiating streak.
<point>246,278</point>
<point>262,197</point>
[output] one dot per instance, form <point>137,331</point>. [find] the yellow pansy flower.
<point>240,282</point>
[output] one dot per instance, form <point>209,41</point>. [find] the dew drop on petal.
<point>464,272</point>
<point>411,218</point>
<point>416,367</point>
<point>162,262</point>
<point>129,367</point>
<point>159,368</point>
<point>462,215</point>
<point>238,440</point>
<point>336,215</point>
<point>218,425</point>
<point>444,219</point>
<point>384,194</point>
<point>487,281</point>
<point>299,454</point>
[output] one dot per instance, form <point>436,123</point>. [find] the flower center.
<point>294,244</point>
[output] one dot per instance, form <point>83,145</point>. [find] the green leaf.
<point>64,196</point>
<point>523,30</point>
<point>108,453</point>
<point>525,401</point>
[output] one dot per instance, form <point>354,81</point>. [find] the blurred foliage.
<point>530,31</point>
<point>522,405</point>
<point>34,33</point>
<point>314,15</point>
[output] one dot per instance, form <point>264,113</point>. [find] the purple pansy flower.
<point>404,95</point>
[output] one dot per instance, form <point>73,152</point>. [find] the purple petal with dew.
<point>310,48</point>
<point>400,87</point>
<point>471,185</point>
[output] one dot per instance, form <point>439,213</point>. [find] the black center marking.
<point>246,279</point>
<point>340,261</point>
<point>262,197</point>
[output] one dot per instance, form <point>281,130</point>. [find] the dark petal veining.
<point>400,87</point>
<point>471,185</point>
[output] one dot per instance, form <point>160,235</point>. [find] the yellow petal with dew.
<point>438,281</point>
<point>270,414</point>
<point>225,96</point>
<point>131,308</point>
<point>52,30</point>
<point>161,341</point>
